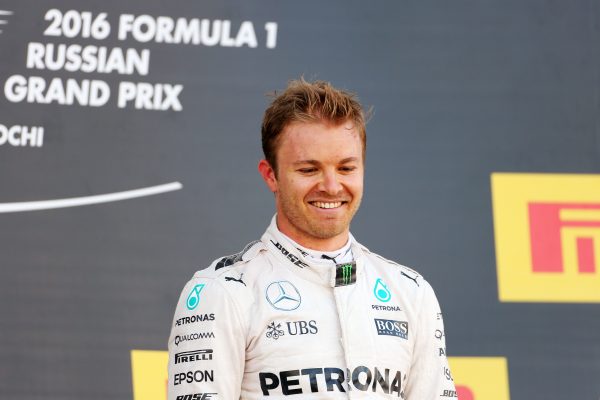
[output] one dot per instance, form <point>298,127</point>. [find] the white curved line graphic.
<point>84,201</point>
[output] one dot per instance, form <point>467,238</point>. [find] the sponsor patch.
<point>194,355</point>
<point>193,336</point>
<point>283,295</point>
<point>345,274</point>
<point>194,318</point>
<point>389,327</point>
<point>193,298</point>
<point>547,230</point>
<point>381,291</point>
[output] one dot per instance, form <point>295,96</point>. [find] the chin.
<point>328,232</point>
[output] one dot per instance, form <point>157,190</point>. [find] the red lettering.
<point>546,247</point>
<point>464,393</point>
<point>585,253</point>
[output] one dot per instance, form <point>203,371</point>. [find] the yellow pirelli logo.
<point>547,233</point>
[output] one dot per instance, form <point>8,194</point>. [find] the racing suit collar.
<point>297,259</point>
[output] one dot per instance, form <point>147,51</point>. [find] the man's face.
<point>319,182</point>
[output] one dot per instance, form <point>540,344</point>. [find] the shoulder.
<point>413,292</point>
<point>385,264</point>
<point>221,290</point>
<point>220,268</point>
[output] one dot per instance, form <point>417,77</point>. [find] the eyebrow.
<point>315,162</point>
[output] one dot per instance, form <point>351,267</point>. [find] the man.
<point>307,311</point>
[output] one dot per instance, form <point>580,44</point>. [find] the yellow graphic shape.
<point>480,378</point>
<point>512,197</point>
<point>149,373</point>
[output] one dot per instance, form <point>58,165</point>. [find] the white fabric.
<point>341,255</point>
<point>318,341</point>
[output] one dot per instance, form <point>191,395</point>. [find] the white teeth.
<point>322,204</point>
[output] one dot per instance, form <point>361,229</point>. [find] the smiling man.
<point>307,311</point>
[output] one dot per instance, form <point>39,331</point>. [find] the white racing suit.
<point>270,322</point>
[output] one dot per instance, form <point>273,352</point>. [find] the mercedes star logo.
<point>284,296</point>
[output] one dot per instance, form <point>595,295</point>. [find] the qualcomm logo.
<point>282,295</point>
<point>88,200</point>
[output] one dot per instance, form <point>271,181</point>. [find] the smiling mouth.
<point>327,204</point>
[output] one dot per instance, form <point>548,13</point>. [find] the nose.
<point>330,183</point>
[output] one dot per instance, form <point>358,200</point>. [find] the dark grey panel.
<point>460,90</point>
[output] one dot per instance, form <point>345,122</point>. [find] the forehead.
<point>319,141</point>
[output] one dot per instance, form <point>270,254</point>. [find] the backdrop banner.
<point>130,135</point>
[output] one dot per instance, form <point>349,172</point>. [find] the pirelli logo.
<point>547,222</point>
<point>195,355</point>
<point>547,232</point>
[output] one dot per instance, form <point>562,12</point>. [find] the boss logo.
<point>390,327</point>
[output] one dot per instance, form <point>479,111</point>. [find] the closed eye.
<point>306,170</point>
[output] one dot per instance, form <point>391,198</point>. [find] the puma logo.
<point>230,278</point>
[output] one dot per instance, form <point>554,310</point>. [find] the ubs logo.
<point>282,295</point>
<point>302,327</point>
<point>294,328</point>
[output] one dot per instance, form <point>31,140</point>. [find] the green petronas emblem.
<point>193,298</point>
<point>381,291</point>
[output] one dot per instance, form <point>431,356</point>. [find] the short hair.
<point>304,101</point>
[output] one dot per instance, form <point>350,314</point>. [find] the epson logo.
<point>197,396</point>
<point>390,327</point>
<point>193,336</point>
<point>293,259</point>
<point>194,376</point>
<point>195,355</point>
<point>195,318</point>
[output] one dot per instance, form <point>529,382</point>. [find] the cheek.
<point>356,184</point>
<point>299,185</point>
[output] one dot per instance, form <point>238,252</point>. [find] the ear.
<point>268,174</point>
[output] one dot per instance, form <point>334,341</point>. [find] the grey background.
<point>460,89</point>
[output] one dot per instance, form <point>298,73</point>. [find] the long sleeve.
<point>430,376</point>
<point>207,344</point>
